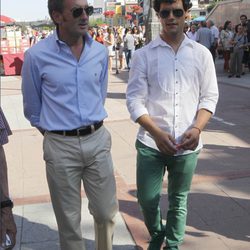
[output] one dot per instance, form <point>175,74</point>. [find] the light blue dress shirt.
<point>60,92</point>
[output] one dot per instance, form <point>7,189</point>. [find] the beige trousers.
<point>71,160</point>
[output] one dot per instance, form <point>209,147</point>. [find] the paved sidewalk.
<point>244,81</point>
<point>219,203</point>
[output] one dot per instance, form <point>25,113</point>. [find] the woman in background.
<point>226,36</point>
<point>99,36</point>
<point>109,42</point>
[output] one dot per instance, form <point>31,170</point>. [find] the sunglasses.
<point>76,12</point>
<point>176,13</point>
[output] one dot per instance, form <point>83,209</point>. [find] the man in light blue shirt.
<point>64,84</point>
<point>204,35</point>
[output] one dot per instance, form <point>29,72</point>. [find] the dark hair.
<point>203,24</point>
<point>157,4</point>
<point>109,30</point>
<point>243,16</point>
<point>55,5</point>
<point>226,24</point>
<point>135,30</point>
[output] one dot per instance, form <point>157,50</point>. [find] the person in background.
<point>226,36</point>
<point>64,86</point>
<point>186,28</point>
<point>239,42</point>
<point>99,36</point>
<point>192,32</point>
<point>109,42</point>
<point>172,104</point>
<point>120,48</point>
<point>246,55</point>
<point>220,47</point>
<point>92,32</point>
<point>138,36</point>
<point>43,35</point>
<point>7,223</point>
<point>129,45</point>
<point>215,37</point>
<point>204,35</point>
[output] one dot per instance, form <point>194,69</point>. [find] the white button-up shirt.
<point>171,87</point>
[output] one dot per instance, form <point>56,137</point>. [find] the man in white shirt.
<point>172,93</point>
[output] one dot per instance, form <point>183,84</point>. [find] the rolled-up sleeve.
<point>137,90</point>
<point>31,90</point>
<point>209,93</point>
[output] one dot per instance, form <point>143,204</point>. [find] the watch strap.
<point>7,203</point>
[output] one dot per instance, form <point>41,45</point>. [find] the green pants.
<point>151,167</point>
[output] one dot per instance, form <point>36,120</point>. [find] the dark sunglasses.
<point>176,13</point>
<point>76,12</point>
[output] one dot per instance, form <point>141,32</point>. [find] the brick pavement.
<point>219,203</point>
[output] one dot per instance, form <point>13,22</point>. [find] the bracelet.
<point>7,203</point>
<point>197,128</point>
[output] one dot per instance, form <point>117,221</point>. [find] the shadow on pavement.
<point>116,95</point>
<point>222,215</point>
<point>38,236</point>
<point>228,162</point>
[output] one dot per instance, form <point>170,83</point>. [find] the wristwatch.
<point>7,203</point>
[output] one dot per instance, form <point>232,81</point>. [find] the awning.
<point>199,19</point>
<point>6,19</point>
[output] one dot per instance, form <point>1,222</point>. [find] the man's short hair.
<point>243,16</point>
<point>157,4</point>
<point>211,22</point>
<point>55,5</point>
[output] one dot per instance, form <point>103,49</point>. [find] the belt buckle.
<point>78,131</point>
<point>92,127</point>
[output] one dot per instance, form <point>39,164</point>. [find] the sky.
<point>25,10</point>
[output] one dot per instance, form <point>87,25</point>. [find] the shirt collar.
<point>59,43</point>
<point>159,42</point>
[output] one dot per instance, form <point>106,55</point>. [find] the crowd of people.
<point>64,87</point>
<point>230,42</point>
<point>120,40</point>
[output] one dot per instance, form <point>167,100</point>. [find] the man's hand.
<point>166,143</point>
<point>190,139</point>
<point>7,226</point>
